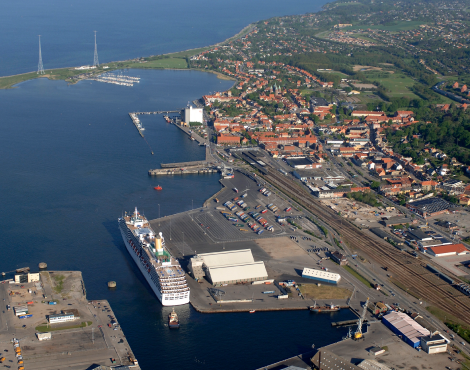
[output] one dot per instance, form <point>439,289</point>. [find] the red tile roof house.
<point>228,139</point>
<point>448,250</point>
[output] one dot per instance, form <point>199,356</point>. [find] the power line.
<point>40,65</point>
<point>95,59</point>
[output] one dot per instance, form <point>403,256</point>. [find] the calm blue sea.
<point>72,162</point>
<point>125,29</point>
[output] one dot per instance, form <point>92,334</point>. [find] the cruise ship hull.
<point>163,299</point>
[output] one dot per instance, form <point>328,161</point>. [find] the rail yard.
<point>405,269</point>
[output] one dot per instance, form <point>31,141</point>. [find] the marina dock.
<point>136,122</point>
<point>116,79</point>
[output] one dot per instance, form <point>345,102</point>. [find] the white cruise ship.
<point>162,271</point>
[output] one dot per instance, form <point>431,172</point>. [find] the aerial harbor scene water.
<point>234,185</point>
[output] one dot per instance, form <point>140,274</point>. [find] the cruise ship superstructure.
<point>161,270</point>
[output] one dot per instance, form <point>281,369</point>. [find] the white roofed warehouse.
<point>321,275</point>
<point>228,267</point>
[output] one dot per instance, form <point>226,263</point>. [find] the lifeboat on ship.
<point>158,187</point>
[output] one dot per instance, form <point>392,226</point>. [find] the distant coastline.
<point>65,73</point>
<point>8,82</point>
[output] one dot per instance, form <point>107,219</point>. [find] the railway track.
<point>404,269</point>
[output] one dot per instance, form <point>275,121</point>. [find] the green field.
<point>340,74</point>
<point>398,84</point>
<point>187,53</point>
<point>399,26</point>
<point>176,63</point>
<point>358,276</point>
<point>314,291</point>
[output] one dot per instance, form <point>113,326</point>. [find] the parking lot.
<point>189,230</point>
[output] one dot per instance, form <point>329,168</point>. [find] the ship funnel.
<point>158,243</point>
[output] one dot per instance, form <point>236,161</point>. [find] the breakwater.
<point>181,171</point>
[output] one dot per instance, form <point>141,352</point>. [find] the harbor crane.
<point>358,334</point>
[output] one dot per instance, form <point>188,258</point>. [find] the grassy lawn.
<point>341,74</point>
<point>52,74</point>
<point>8,82</point>
<point>187,53</point>
<point>398,84</point>
<point>45,327</point>
<point>323,292</point>
<point>177,63</point>
<point>399,26</point>
<point>358,276</point>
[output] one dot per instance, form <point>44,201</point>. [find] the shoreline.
<point>32,75</point>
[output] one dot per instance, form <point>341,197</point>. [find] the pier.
<point>183,164</point>
<point>183,171</point>
<point>136,122</point>
<point>158,112</point>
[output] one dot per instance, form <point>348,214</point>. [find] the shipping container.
<point>260,231</point>
<point>288,209</point>
<point>264,211</point>
<point>25,316</point>
<point>52,302</point>
<point>235,199</point>
<point>30,302</point>
<point>235,190</point>
<point>268,292</point>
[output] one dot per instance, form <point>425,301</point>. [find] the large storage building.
<point>321,275</point>
<point>228,267</point>
<point>193,115</point>
<point>405,327</point>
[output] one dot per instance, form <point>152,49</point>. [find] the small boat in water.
<point>330,308</point>
<point>173,322</point>
<point>158,187</point>
<point>252,311</point>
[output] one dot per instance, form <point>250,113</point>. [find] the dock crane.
<point>358,334</point>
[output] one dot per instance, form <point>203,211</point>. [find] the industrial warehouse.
<point>406,328</point>
<point>321,275</point>
<point>229,267</point>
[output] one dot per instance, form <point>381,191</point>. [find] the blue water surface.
<point>125,29</point>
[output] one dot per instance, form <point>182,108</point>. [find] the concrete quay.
<point>183,164</point>
<point>79,344</point>
<point>191,133</point>
<point>185,171</point>
<point>205,230</point>
<point>159,112</point>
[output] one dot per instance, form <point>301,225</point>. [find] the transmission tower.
<point>95,59</point>
<point>40,66</point>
